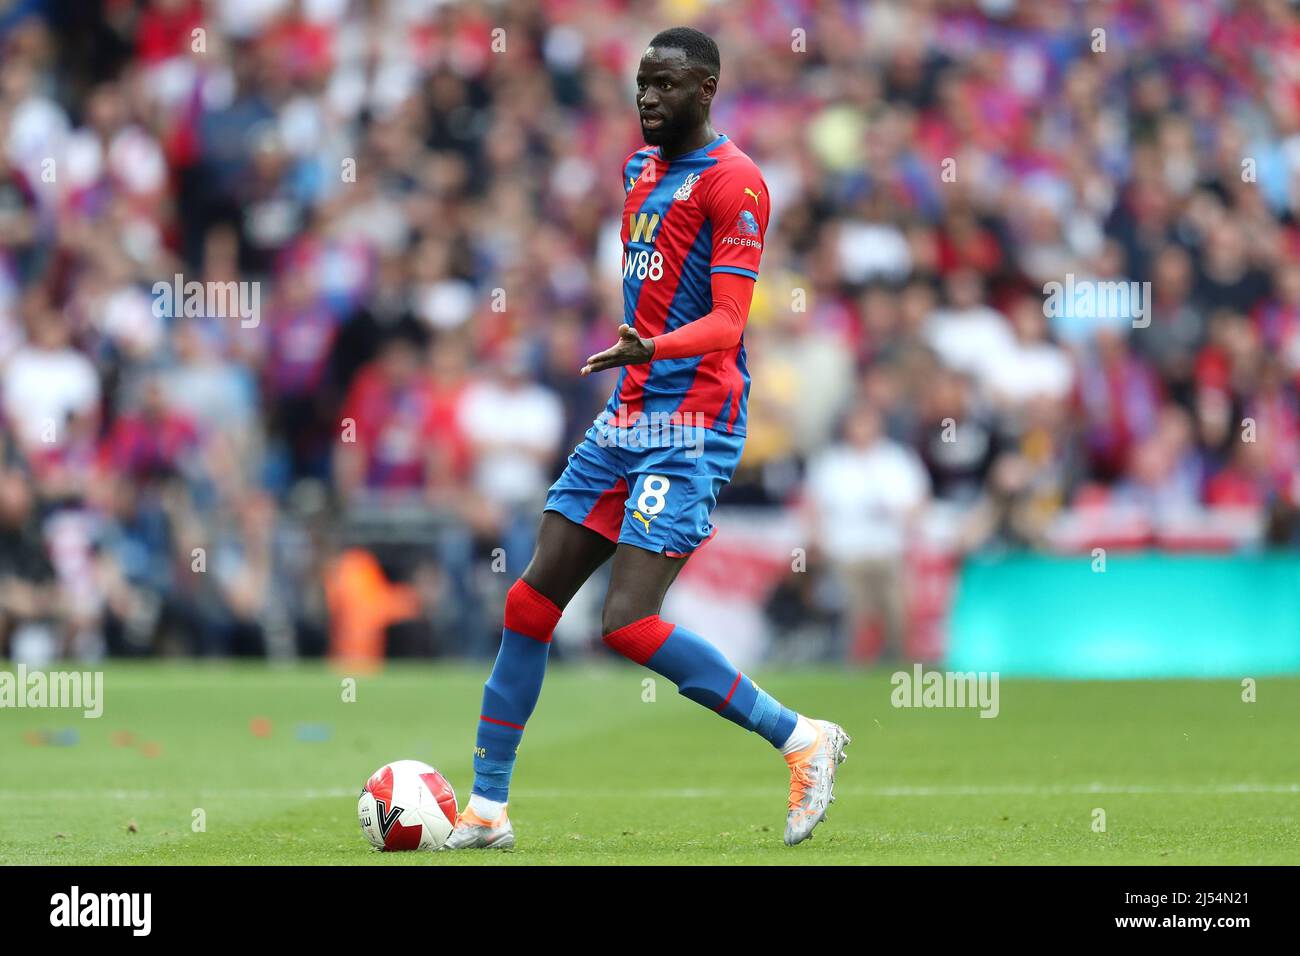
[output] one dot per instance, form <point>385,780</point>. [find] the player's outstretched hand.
<point>630,349</point>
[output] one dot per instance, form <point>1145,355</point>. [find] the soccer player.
<point>641,486</point>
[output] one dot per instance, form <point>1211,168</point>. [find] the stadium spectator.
<point>30,619</point>
<point>864,496</point>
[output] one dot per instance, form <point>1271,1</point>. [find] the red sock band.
<point>639,640</point>
<point>530,613</point>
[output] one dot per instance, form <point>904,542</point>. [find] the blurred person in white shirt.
<point>1034,368</point>
<point>514,427</point>
<point>47,381</point>
<point>968,335</point>
<point>864,494</point>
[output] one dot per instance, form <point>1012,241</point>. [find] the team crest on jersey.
<point>746,224</point>
<point>684,190</point>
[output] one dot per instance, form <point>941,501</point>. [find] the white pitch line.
<point>995,790</point>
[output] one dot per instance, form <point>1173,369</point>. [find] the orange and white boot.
<point>472,832</point>
<point>812,780</point>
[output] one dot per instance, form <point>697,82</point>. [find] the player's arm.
<point>738,209</point>
<point>715,331</point>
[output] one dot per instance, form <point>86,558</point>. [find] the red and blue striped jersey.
<point>701,213</point>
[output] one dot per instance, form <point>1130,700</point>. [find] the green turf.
<point>1185,772</point>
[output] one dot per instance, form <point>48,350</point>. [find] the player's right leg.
<point>813,749</point>
<point>572,542</point>
<point>668,517</point>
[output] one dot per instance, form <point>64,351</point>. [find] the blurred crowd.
<point>424,198</point>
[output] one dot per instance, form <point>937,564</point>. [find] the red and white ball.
<point>407,805</point>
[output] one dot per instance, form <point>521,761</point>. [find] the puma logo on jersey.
<point>750,192</point>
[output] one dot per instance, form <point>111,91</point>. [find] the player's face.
<point>671,96</point>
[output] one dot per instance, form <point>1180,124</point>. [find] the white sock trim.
<point>489,810</point>
<point>801,738</point>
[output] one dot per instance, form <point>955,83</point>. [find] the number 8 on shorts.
<point>653,497</point>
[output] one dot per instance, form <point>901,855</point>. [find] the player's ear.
<point>708,88</point>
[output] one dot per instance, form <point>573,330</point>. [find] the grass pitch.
<point>271,761</point>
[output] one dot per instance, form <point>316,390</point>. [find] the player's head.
<point>675,84</point>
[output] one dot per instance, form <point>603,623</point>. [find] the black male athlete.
<point>642,485</point>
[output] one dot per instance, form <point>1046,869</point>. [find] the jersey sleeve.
<point>717,330</point>
<point>630,172</point>
<point>738,211</point>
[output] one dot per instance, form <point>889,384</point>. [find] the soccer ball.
<point>407,805</point>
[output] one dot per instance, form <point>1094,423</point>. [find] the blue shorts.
<point>658,498</point>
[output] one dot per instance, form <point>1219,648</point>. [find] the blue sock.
<point>704,675</point>
<point>511,691</point>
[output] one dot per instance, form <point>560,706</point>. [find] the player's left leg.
<point>631,626</point>
<point>576,536</point>
<point>566,555</point>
